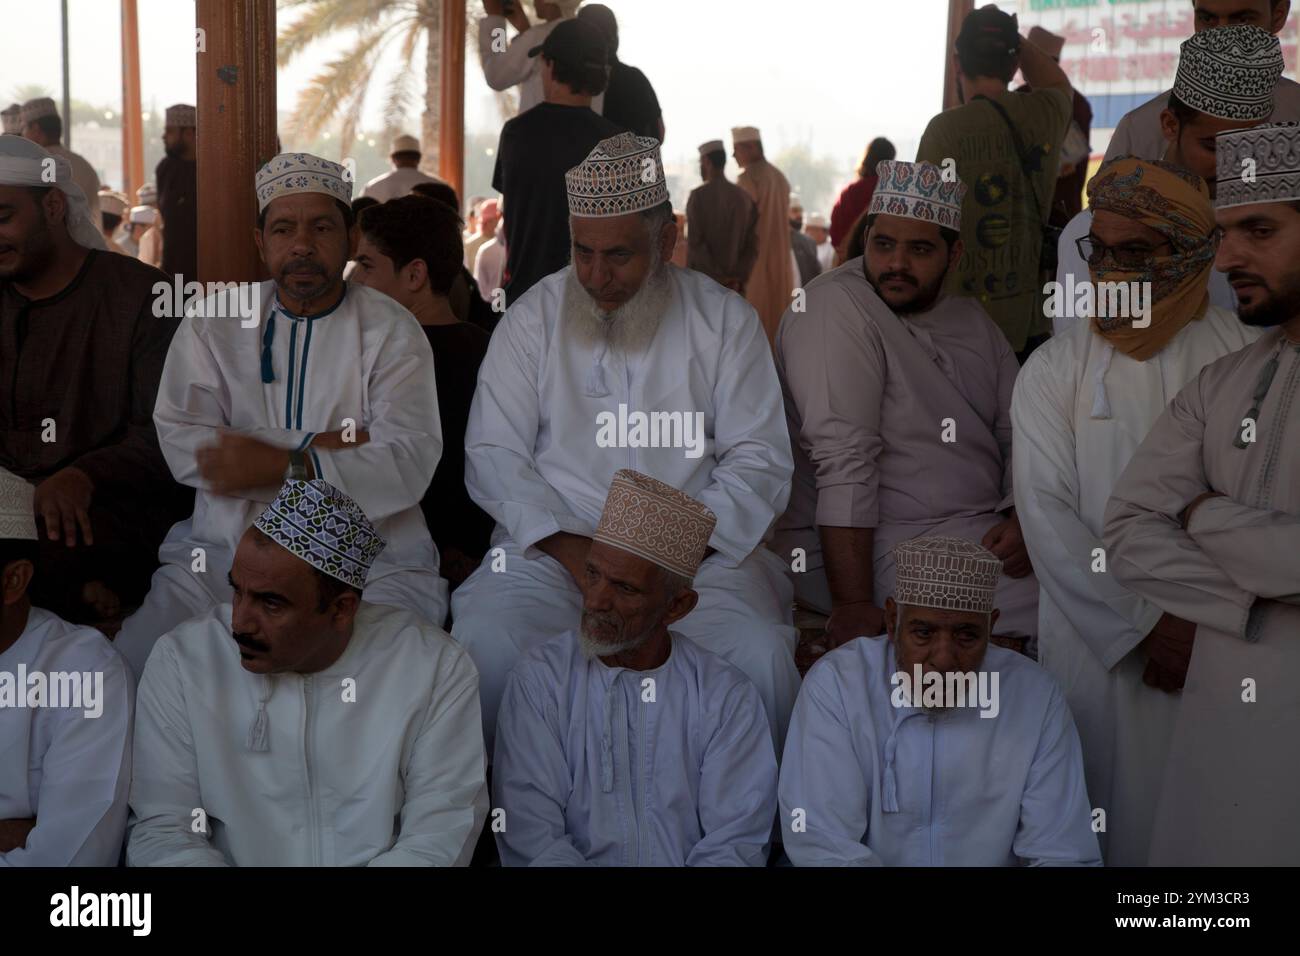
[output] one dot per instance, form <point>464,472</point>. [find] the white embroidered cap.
<point>291,173</point>
<point>951,574</point>
<point>17,515</point>
<point>623,174</point>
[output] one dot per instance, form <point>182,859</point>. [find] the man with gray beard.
<point>572,749</point>
<point>623,333</point>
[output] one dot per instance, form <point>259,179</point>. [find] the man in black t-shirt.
<point>630,100</point>
<point>540,145</point>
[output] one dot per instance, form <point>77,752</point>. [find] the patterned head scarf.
<point>1175,203</point>
<point>23,163</point>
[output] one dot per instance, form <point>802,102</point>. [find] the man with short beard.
<point>298,725</point>
<point>625,743</point>
<point>81,352</point>
<point>898,401</point>
<point>932,748</point>
<point>324,380</point>
<point>573,374</point>
<point>1205,524</point>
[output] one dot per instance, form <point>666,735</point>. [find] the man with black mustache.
<point>321,379</point>
<point>898,403</point>
<point>298,671</point>
<point>1205,524</point>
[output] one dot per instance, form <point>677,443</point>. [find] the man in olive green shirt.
<point>1001,218</point>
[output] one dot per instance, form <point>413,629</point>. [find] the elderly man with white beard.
<point>623,743</point>
<point>575,371</point>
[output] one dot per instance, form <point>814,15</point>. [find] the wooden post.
<point>451,125</point>
<point>235,42</point>
<point>958,10</point>
<point>133,176</point>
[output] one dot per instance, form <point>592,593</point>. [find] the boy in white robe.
<point>879,769</point>
<point>65,763</point>
<point>314,377</point>
<point>623,744</point>
<point>1083,403</point>
<point>622,360</point>
<point>301,726</point>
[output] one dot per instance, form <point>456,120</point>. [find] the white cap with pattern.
<point>291,173</point>
<point>17,514</point>
<point>951,574</point>
<point>623,174</point>
<point>1229,72</point>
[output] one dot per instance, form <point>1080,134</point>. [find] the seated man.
<point>81,352</point>
<point>300,725</point>
<point>409,250</point>
<point>1227,78</point>
<point>622,743</point>
<point>65,753</point>
<point>1082,405</point>
<point>898,400</point>
<point>882,768</point>
<point>624,359</point>
<point>321,379</point>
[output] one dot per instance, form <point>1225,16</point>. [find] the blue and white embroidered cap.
<point>291,173</point>
<point>320,524</point>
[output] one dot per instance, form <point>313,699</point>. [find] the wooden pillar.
<point>236,133</point>
<point>957,13</point>
<point>133,176</point>
<point>451,125</point>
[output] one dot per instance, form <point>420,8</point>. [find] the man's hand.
<point>13,833</point>
<point>63,502</point>
<point>1169,650</point>
<point>1186,517</point>
<point>1006,541</point>
<point>237,462</point>
<point>570,550</point>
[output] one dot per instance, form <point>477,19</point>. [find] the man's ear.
<point>344,610</point>
<point>891,619</point>
<point>993,620</point>
<point>680,606</point>
<point>668,239</point>
<point>415,275</point>
<point>54,205</point>
<point>954,254</point>
<point>1169,125</point>
<point>14,580</point>
<point>257,238</point>
<point>1277,19</point>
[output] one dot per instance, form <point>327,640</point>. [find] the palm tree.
<point>340,90</point>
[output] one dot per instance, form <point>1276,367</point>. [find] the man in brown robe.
<point>771,281</point>
<point>1205,524</point>
<point>722,223</point>
<point>82,344</point>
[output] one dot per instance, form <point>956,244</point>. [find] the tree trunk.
<point>430,12</point>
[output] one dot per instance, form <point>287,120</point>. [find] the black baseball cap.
<point>576,42</point>
<point>991,29</point>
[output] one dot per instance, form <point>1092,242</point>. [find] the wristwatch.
<point>297,466</point>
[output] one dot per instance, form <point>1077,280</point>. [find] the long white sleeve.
<point>81,807</point>
<point>750,484</point>
<point>444,778</point>
<point>392,471</point>
<point>531,781</point>
<point>501,435</point>
<point>824,793</point>
<point>1259,549</point>
<point>737,795</point>
<point>504,68</point>
<point>1111,619</point>
<point>1055,816</point>
<point>165,784</point>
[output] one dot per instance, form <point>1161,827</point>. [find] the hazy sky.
<point>828,73</point>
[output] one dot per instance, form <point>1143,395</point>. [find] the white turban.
<point>23,163</point>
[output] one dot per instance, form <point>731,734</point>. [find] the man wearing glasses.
<point>1082,405</point>
<point>1227,78</point>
